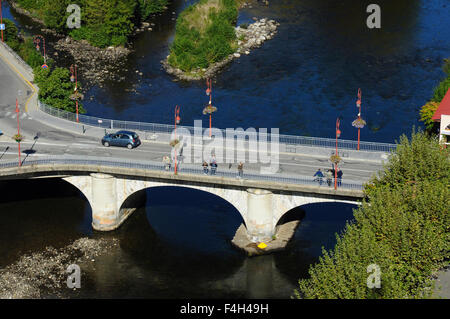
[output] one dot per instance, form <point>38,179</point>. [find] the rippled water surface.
<point>306,76</point>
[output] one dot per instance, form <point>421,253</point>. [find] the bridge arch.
<point>260,209</point>
<point>284,203</point>
<point>230,197</point>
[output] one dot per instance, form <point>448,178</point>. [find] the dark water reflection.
<point>177,246</point>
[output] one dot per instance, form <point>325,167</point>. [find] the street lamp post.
<point>36,40</point>
<point>177,121</point>
<point>359,123</point>
<point>208,86</point>
<point>358,103</point>
<point>74,78</point>
<point>209,109</point>
<point>338,133</point>
<point>18,127</point>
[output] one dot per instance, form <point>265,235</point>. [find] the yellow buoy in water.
<point>262,245</point>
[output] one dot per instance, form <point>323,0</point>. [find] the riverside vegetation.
<point>427,111</point>
<point>54,83</point>
<point>402,226</point>
<point>204,34</point>
<point>206,38</point>
<point>103,22</point>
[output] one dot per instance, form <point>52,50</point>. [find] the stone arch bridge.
<point>261,203</point>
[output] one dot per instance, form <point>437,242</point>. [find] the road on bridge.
<point>42,140</point>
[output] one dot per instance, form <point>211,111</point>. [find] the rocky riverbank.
<point>43,274</point>
<point>249,37</point>
<point>96,65</point>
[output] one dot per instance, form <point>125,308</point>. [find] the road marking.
<point>23,78</point>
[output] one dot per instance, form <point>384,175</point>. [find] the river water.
<point>178,244</point>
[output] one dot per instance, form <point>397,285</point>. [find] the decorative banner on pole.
<point>2,26</point>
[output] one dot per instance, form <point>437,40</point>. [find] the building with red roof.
<point>442,115</point>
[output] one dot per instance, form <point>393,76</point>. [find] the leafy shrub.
<point>104,22</point>
<point>55,88</point>
<point>199,44</point>
<point>441,90</point>
<point>446,67</point>
<point>426,113</point>
<point>244,26</point>
<point>403,227</point>
<point>29,54</point>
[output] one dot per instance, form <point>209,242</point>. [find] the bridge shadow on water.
<point>319,224</point>
<point>39,213</point>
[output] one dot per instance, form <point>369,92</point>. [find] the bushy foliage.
<point>441,90</point>
<point>426,114</point>
<point>29,54</point>
<point>427,111</point>
<point>147,7</point>
<point>403,227</point>
<point>10,34</point>
<point>446,67</point>
<point>198,46</point>
<point>55,88</point>
<point>103,22</point>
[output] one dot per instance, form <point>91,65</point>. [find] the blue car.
<point>122,138</point>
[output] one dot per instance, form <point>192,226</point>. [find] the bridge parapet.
<point>261,203</point>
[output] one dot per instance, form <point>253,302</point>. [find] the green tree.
<point>441,90</point>
<point>402,226</point>
<point>10,35</point>
<point>426,114</point>
<point>55,88</point>
<point>29,54</point>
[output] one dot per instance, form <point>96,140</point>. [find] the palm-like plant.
<point>335,159</point>
<point>209,109</point>
<point>359,123</point>
<point>18,138</point>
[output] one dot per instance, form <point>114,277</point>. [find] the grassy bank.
<point>54,83</point>
<point>204,34</point>
<point>103,22</point>
<point>403,228</point>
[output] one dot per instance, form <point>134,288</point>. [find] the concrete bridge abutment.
<point>259,215</point>
<point>105,213</point>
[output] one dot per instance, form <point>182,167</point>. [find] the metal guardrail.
<point>183,168</point>
<point>167,129</point>
<point>17,57</point>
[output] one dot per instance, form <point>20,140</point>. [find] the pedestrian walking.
<point>339,178</point>
<point>167,164</point>
<point>240,170</point>
<point>213,167</point>
<point>319,176</point>
<point>205,168</point>
<point>329,175</point>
